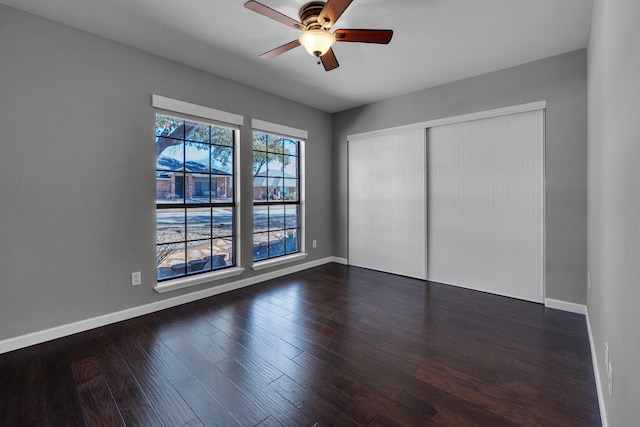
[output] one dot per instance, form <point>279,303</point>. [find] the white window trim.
<point>169,104</point>
<point>277,129</point>
<point>274,262</point>
<point>198,279</point>
<point>232,121</point>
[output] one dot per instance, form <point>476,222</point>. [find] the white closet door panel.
<point>485,210</point>
<point>387,214</point>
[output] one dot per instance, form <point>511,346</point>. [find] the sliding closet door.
<point>485,210</point>
<point>387,224</point>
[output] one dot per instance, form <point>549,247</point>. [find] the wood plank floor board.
<point>148,353</point>
<point>208,409</point>
<point>133,404</point>
<point>331,387</point>
<point>446,411</point>
<point>156,378</point>
<point>26,392</point>
<point>319,409</point>
<point>281,409</point>
<point>331,345</point>
<point>285,328</point>
<point>281,330</point>
<point>97,403</point>
<point>252,336</point>
<point>241,406</point>
<point>521,408</point>
<point>63,406</point>
<point>197,356</point>
<point>252,361</point>
<point>270,422</point>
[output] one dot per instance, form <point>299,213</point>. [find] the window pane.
<point>222,222</point>
<point>275,145</point>
<point>259,163</point>
<point>177,187</point>
<point>170,225</point>
<point>222,255</point>
<point>221,188</point>
<point>290,166</point>
<point>198,223</point>
<point>197,253</point>
<point>170,260</point>
<point>276,217</point>
<point>260,189</point>
<point>221,136</point>
<point>169,154</point>
<point>196,131</point>
<point>164,192</point>
<point>221,160</point>
<point>276,243</point>
<point>290,147</point>
<point>199,188</point>
<point>260,219</point>
<point>275,165</point>
<point>169,127</point>
<point>290,190</point>
<point>291,243</point>
<point>260,246</point>
<point>197,157</point>
<point>291,216</point>
<point>275,192</point>
<point>260,141</point>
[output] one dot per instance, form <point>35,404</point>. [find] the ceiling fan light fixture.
<point>317,42</point>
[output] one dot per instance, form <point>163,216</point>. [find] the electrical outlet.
<point>136,278</point>
<point>315,243</point>
<point>606,357</point>
<point>610,379</point>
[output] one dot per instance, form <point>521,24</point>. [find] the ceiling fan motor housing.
<point>309,14</point>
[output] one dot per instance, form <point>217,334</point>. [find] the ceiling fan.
<point>316,19</point>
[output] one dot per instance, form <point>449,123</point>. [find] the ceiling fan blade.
<point>273,14</point>
<point>282,49</point>
<point>364,36</point>
<point>332,11</point>
<point>329,60</point>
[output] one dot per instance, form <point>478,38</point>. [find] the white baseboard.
<point>565,306</point>
<point>596,373</point>
<point>118,316</point>
<point>339,260</point>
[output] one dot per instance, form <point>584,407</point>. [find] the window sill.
<point>184,282</point>
<point>261,265</point>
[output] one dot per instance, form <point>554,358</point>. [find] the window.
<point>276,196</point>
<point>195,201</point>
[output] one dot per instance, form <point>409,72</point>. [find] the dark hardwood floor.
<point>333,345</point>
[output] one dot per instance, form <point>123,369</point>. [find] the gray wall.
<point>614,201</point>
<point>77,183</point>
<point>561,81</point>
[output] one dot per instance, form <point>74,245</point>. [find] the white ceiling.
<point>434,42</point>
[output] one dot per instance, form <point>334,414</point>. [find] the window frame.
<point>299,136</point>
<point>196,113</point>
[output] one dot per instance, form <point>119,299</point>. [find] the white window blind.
<point>387,222</point>
<point>486,205</point>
